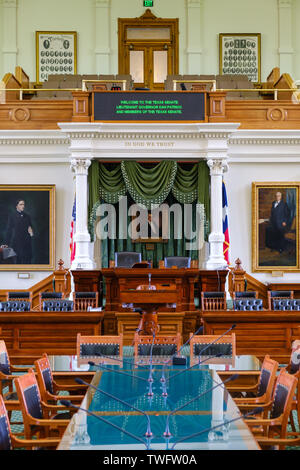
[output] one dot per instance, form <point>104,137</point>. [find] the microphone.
<point>251,413</point>
<point>198,364</point>
<point>118,360</point>
<point>150,378</point>
<point>117,371</point>
<point>163,379</point>
<point>148,432</point>
<point>167,432</point>
<point>67,403</point>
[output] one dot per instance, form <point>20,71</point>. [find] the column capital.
<point>285,3</point>
<point>194,3</point>
<point>9,3</point>
<point>102,3</point>
<point>80,165</point>
<point>217,166</point>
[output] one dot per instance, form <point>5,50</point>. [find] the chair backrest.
<point>267,378</point>
<point>58,305</point>
<point>248,304</point>
<point>4,359</point>
<point>284,391</point>
<point>44,376</point>
<point>294,365</point>
<point>247,294</point>
<point>83,300</point>
<point>5,430</point>
<point>30,399</point>
<point>126,259</point>
<point>201,348</point>
<point>95,348</point>
<point>15,306</point>
<point>21,296</point>
<point>163,347</point>
<point>49,296</point>
<point>213,301</point>
<point>178,261</point>
<point>278,295</point>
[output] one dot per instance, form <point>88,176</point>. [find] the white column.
<point>194,33</point>
<point>285,49</point>
<point>102,46</point>
<point>216,238</point>
<point>82,237</point>
<point>9,35</point>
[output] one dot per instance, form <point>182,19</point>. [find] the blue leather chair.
<point>179,261</point>
<point>126,259</point>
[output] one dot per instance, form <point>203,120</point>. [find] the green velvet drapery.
<point>168,181</point>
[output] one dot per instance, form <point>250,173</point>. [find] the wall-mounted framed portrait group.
<point>56,53</point>
<point>27,227</point>
<point>275,226</point>
<point>240,53</point>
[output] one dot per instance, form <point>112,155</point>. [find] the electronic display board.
<point>149,106</point>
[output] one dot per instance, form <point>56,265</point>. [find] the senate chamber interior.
<point>149,225</point>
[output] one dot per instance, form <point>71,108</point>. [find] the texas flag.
<point>225,223</point>
<point>73,230</point>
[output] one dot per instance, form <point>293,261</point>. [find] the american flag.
<point>225,224</point>
<point>73,230</point>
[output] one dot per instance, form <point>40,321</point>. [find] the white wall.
<point>239,181</point>
<point>61,176</point>
<point>213,17</point>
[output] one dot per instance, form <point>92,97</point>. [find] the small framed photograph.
<point>56,52</point>
<point>27,227</point>
<point>243,46</point>
<point>275,229</point>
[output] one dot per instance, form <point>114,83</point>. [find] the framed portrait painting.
<point>275,229</point>
<point>27,227</point>
<point>56,53</point>
<point>240,54</point>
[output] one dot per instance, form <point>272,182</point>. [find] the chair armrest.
<point>54,407</point>
<point>34,442</point>
<point>293,441</point>
<point>262,422</point>
<point>244,388</point>
<point>63,397</point>
<point>70,388</point>
<point>250,406</point>
<point>20,369</point>
<point>52,423</point>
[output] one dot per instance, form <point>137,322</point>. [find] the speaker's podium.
<point>175,290</point>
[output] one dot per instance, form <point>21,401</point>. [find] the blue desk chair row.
<point>248,304</point>
<point>58,306</point>
<point>15,306</point>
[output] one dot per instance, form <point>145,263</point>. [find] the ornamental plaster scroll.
<point>80,166</point>
<point>217,167</point>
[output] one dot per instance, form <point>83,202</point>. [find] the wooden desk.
<point>178,285</point>
<point>257,333</point>
<point>31,334</point>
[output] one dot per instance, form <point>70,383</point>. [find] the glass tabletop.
<point>190,402</point>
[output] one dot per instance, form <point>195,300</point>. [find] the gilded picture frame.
<point>275,226</point>
<point>240,54</point>
<point>56,53</point>
<point>27,227</point>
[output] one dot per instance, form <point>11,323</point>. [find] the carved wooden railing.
<point>239,281</point>
<point>59,281</point>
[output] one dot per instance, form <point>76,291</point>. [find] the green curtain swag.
<point>148,186</point>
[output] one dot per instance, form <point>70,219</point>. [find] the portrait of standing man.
<point>19,233</point>
<point>279,220</point>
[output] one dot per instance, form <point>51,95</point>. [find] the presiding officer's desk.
<point>207,411</point>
